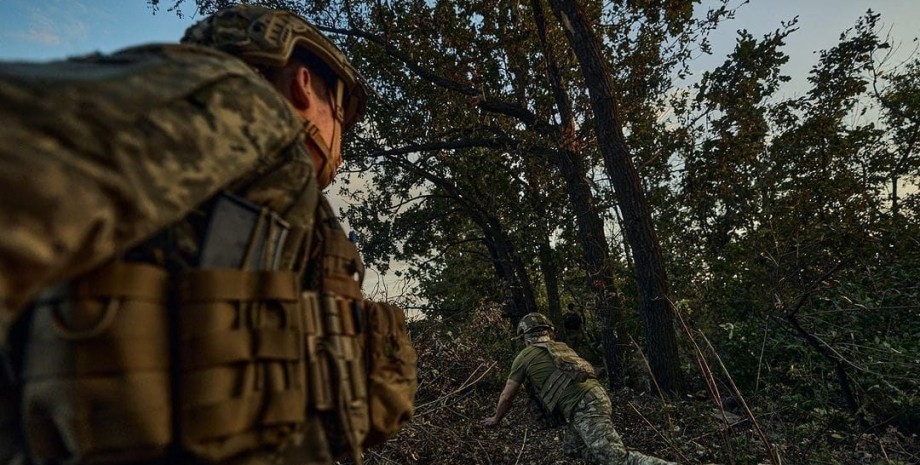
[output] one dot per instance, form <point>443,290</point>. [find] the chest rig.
<point>569,368</point>
<point>259,353</point>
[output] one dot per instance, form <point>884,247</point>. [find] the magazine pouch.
<point>392,377</point>
<point>96,381</point>
<point>241,349</point>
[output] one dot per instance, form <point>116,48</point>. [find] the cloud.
<point>52,24</point>
<point>43,37</point>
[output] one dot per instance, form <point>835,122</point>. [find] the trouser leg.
<point>573,446</point>
<point>603,445</point>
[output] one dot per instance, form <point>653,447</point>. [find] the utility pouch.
<point>337,379</point>
<point>95,374</point>
<point>242,384</point>
<point>392,376</point>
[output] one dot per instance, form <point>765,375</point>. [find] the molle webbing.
<point>96,369</point>
<point>340,259</point>
<point>334,335</point>
<point>569,368</point>
<point>242,384</point>
<point>568,361</point>
<point>552,389</point>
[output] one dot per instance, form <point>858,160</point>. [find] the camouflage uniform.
<point>590,434</point>
<point>119,156</point>
<point>101,153</point>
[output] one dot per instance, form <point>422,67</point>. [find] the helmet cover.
<point>268,37</point>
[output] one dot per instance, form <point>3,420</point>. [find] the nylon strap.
<point>121,279</point>
<point>553,387</point>
<point>223,347</point>
<point>238,285</point>
<point>317,363</point>
<point>236,415</point>
<point>96,356</point>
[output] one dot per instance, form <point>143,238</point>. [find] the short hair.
<point>318,67</point>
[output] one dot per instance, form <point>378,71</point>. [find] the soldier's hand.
<point>489,421</point>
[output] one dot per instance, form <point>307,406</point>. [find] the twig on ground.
<point>650,425</point>
<point>518,459</point>
<point>648,368</point>
<point>774,452</point>
<point>710,381</point>
<point>421,409</point>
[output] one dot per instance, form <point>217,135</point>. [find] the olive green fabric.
<point>535,365</point>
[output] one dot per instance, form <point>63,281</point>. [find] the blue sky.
<point>48,29</point>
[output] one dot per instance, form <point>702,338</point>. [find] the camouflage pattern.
<point>102,152</point>
<point>268,37</point>
<point>591,434</point>
<point>532,322</point>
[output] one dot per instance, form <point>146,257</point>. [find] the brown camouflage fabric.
<point>591,435</point>
<point>99,153</point>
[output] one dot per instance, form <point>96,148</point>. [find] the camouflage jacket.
<point>99,153</point>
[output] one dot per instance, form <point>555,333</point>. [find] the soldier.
<point>566,385</point>
<point>574,324</point>
<point>161,215</point>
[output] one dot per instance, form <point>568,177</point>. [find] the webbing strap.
<point>100,356</point>
<point>342,285</point>
<point>236,415</point>
<point>122,279</point>
<point>229,284</point>
<point>553,387</point>
<point>127,412</point>
<point>223,347</point>
<point>318,371</point>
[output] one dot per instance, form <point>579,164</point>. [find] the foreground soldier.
<point>566,385</point>
<point>162,216</point>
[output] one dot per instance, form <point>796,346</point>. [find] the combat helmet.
<point>268,37</point>
<point>532,322</point>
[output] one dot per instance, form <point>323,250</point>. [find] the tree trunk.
<point>551,281</point>
<point>655,310</point>
<point>588,222</point>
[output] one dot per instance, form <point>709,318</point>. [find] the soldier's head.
<point>535,327</point>
<point>304,65</point>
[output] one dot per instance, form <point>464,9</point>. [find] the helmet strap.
<point>330,151</point>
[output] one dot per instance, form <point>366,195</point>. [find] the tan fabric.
<point>242,385</point>
<point>117,158</point>
<point>96,371</point>
<point>392,371</point>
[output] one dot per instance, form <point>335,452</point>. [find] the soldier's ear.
<point>300,91</point>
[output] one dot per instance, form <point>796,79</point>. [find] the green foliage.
<point>790,225</point>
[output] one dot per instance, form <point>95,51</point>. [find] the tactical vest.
<point>130,363</point>
<point>569,368</point>
<point>225,338</point>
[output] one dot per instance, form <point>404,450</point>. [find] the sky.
<point>49,29</point>
<point>41,30</point>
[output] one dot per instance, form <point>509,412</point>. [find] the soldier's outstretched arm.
<point>81,181</point>
<point>504,403</point>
